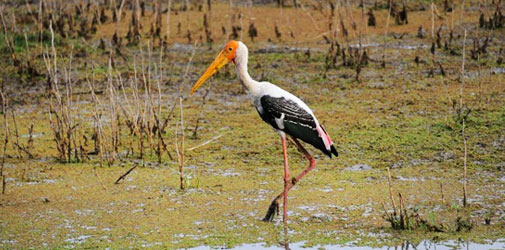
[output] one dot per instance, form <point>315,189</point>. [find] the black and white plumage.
<point>286,113</point>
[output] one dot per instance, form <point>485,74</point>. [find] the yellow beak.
<point>218,63</point>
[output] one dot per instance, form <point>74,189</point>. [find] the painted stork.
<point>286,113</point>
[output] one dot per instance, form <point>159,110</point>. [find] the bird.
<point>283,111</point>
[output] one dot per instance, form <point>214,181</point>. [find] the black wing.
<point>297,121</point>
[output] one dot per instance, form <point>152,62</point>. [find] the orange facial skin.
<point>230,50</point>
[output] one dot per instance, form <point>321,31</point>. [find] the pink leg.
<point>274,206</point>
<point>286,179</point>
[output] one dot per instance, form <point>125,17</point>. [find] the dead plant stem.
<point>6,139</point>
<point>391,192</point>
<point>181,158</point>
<point>463,123</point>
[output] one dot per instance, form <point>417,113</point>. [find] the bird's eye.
<point>230,48</point>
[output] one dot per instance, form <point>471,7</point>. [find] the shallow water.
<point>424,245</point>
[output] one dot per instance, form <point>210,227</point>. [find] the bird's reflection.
<point>286,240</point>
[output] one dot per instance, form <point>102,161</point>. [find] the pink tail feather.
<point>326,138</point>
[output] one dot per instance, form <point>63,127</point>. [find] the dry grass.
<point>308,26</point>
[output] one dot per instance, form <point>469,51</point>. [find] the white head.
<point>241,54</point>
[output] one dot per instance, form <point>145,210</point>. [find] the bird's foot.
<point>272,210</point>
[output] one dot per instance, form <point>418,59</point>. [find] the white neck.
<point>241,59</point>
